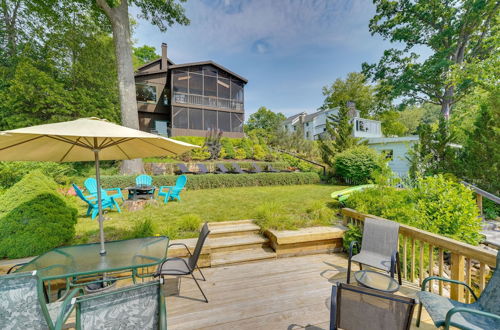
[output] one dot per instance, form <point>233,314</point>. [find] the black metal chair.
<point>180,266</point>
<point>354,307</point>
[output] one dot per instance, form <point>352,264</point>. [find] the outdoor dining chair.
<point>23,304</point>
<point>91,186</point>
<point>483,313</point>
<point>171,192</point>
<point>141,306</point>
<point>354,307</point>
<point>180,266</point>
<point>182,169</point>
<point>379,247</point>
<point>93,208</point>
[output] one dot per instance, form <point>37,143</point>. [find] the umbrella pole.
<point>99,202</point>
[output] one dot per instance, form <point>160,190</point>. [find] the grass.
<point>278,207</point>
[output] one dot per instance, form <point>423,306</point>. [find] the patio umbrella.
<point>87,139</point>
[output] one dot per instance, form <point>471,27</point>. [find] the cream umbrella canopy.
<point>87,139</point>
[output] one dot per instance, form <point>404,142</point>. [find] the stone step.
<point>233,230</point>
<point>242,256</point>
<point>234,243</point>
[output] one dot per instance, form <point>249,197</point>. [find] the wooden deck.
<point>286,293</point>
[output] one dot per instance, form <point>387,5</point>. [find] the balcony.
<point>207,101</point>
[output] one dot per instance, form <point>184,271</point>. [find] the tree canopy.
<point>143,55</point>
<point>454,32</point>
<point>265,119</point>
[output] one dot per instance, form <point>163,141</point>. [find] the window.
<point>195,84</point>
<point>180,81</point>
<point>307,124</point>
<point>307,134</point>
<point>223,88</point>
<point>236,122</point>
<point>210,86</point>
<point>180,117</point>
<point>224,121</point>
<point>145,93</point>
<point>389,154</point>
<point>165,96</point>
<point>210,119</point>
<point>195,119</point>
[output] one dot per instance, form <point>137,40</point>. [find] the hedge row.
<point>157,168</point>
<point>207,181</point>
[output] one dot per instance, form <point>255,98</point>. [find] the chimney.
<point>353,112</point>
<point>164,61</point>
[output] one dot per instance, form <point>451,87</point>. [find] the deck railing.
<point>422,254</point>
<point>214,102</point>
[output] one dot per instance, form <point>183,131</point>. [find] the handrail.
<point>436,240</point>
<point>301,158</point>
<point>415,244</point>
<point>482,192</point>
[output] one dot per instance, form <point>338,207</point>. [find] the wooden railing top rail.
<point>482,192</point>
<point>467,250</point>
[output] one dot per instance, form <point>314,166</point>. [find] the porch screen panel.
<point>195,84</point>
<point>224,121</point>
<point>223,88</point>
<point>236,90</point>
<point>180,117</point>
<point>195,119</point>
<point>210,86</point>
<point>236,122</point>
<point>210,119</point>
<point>180,81</point>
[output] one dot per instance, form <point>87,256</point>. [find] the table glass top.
<point>377,281</point>
<point>85,258</point>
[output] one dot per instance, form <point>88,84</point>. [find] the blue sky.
<point>288,50</point>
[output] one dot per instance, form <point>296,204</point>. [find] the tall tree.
<point>143,55</point>
<point>453,30</point>
<point>161,13</point>
<point>338,135</point>
<point>354,88</point>
<point>265,119</point>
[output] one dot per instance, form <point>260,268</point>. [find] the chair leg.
<point>203,276</point>
<point>398,268</point>
<point>199,287</point>
<point>349,271</point>
<point>419,314</point>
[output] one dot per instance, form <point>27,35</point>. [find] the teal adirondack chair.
<point>171,192</point>
<point>144,180</point>
<point>91,186</point>
<point>107,202</point>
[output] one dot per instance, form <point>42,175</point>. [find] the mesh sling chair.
<point>180,266</point>
<point>354,308</point>
<point>140,306</point>
<point>202,169</point>
<point>221,169</point>
<point>182,169</point>
<point>379,248</point>
<point>23,303</point>
<point>484,313</point>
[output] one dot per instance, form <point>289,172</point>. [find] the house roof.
<point>313,115</point>
<point>291,119</point>
<point>177,66</point>
<point>169,61</point>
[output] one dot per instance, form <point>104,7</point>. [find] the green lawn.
<point>282,207</point>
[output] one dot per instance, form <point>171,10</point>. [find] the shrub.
<point>357,164</point>
<point>208,181</point>
<point>240,154</point>
<point>34,218</point>
<point>353,233</point>
<point>143,228</point>
<point>189,222</point>
<point>12,172</point>
<point>227,149</point>
<point>436,204</point>
<point>258,152</point>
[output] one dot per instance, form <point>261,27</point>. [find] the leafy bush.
<point>228,149</point>
<point>208,181</point>
<point>240,153</point>
<point>436,204</point>
<point>143,228</point>
<point>353,233</point>
<point>12,172</point>
<point>34,218</point>
<point>357,164</point>
<point>189,222</point>
<point>300,164</point>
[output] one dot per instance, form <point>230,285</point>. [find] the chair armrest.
<point>351,247</point>
<point>437,278</point>
<point>16,265</point>
<point>162,187</point>
<point>182,245</point>
<point>119,190</point>
<point>67,307</point>
<point>466,310</point>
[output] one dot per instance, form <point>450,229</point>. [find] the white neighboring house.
<point>395,148</point>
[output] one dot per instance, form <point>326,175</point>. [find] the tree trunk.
<point>119,18</point>
<point>447,102</point>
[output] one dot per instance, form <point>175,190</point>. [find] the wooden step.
<point>233,243</point>
<point>242,256</point>
<point>233,230</point>
<point>229,223</point>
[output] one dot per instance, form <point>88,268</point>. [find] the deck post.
<point>457,273</point>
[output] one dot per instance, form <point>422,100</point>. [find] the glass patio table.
<point>75,262</point>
